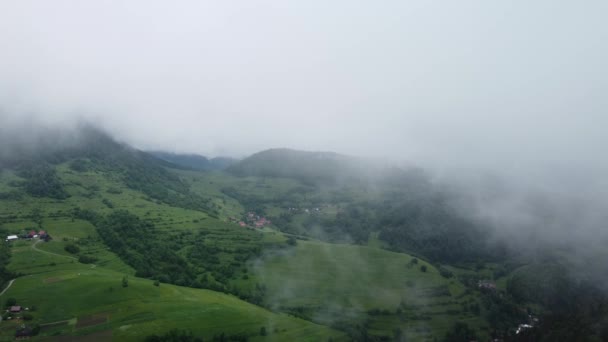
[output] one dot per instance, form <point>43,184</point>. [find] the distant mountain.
<point>306,166</point>
<point>194,161</point>
<point>322,167</point>
<point>89,149</point>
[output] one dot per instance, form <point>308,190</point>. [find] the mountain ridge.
<point>192,161</point>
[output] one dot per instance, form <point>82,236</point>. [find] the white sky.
<point>460,83</point>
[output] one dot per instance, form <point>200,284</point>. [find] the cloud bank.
<point>462,84</point>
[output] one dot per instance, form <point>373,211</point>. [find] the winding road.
<point>51,253</point>
<point>10,283</point>
<point>7,286</point>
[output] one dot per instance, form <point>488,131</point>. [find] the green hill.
<point>70,298</point>
<point>320,269</point>
<point>309,167</point>
<point>194,161</point>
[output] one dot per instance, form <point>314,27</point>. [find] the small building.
<point>15,309</point>
<point>12,237</point>
<point>23,332</point>
<point>486,285</point>
<point>523,327</point>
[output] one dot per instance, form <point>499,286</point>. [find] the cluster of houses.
<point>23,331</point>
<point>490,286</point>
<point>42,235</point>
<point>532,322</point>
<point>14,310</point>
<point>486,285</point>
<point>251,220</point>
<point>304,210</point>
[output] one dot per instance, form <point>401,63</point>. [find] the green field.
<point>62,289</point>
<point>308,292</point>
<point>331,282</point>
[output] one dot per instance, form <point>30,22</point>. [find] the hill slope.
<point>310,167</point>
<point>194,161</point>
<point>114,211</point>
<point>81,300</point>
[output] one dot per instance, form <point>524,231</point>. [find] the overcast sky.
<point>454,82</point>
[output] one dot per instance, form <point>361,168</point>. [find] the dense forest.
<point>138,243</point>
<point>179,258</point>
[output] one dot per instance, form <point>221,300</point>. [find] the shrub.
<point>445,272</point>
<point>108,203</point>
<point>85,259</point>
<point>11,301</point>
<point>71,248</point>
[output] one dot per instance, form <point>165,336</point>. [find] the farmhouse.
<point>23,332</point>
<point>12,237</point>
<point>261,222</point>
<point>523,327</point>
<point>15,309</point>
<point>32,234</point>
<point>486,285</point>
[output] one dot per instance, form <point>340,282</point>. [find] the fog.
<point>503,103</point>
<point>467,84</point>
<point>470,89</point>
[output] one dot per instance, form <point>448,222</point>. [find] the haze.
<point>463,84</point>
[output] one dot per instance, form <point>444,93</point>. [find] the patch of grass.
<point>329,283</point>
<point>144,309</point>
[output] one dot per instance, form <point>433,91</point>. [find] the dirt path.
<point>5,289</point>
<point>51,253</point>
<point>7,286</point>
<point>66,321</point>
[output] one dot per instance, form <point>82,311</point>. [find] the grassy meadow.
<point>62,289</point>
<point>311,291</point>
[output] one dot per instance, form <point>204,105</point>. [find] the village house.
<point>24,332</point>
<point>523,327</point>
<point>15,309</point>
<point>486,285</point>
<point>261,222</point>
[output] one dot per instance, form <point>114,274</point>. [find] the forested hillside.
<point>349,251</point>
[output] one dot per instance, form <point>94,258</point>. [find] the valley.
<point>368,256</point>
